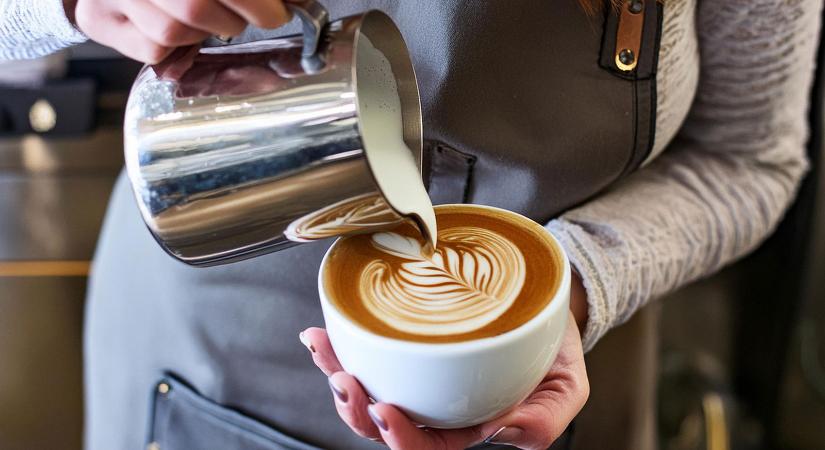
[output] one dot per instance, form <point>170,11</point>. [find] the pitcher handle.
<point>314,18</point>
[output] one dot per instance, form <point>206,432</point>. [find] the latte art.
<point>471,280</point>
<point>491,271</point>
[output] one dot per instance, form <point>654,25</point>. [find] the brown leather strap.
<point>639,33</point>
<point>629,34</point>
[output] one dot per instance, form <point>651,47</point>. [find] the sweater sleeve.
<point>33,28</point>
<point>723,185</point>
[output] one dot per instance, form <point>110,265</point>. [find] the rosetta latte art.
<point>473,278</point>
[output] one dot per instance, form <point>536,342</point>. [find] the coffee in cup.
<point>456,338</point>
<point>491,272</point>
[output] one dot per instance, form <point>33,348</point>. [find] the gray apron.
<point>524,109</point>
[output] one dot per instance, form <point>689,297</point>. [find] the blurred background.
<point>742,353</point>
<point>60,151</point>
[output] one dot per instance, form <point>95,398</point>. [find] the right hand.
<point>149,30</point>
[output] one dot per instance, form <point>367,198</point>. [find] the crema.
<point>491,272</point>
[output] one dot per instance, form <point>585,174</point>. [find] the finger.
<point>351,402</point>
<point>175,66</point>
<point>261,13</point>
<point>115,30</point>
<point>206,15</point>
<point>317,341</point>
<point>400,433</point>
<point>533,427</point>
<point>543,417</point>
<point>159,26</point>
<point>130,41</point>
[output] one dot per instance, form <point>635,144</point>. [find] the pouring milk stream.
<point>379,103</point>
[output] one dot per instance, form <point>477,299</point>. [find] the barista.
<point>565,111</point>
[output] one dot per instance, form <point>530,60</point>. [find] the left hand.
<point>533,424</point>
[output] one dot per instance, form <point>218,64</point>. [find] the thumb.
<point>174,66</point>
<point>542,418</point>
<point>538,422</point>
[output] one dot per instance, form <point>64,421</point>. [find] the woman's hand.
<point>149,30</point>
<point>533,424</point>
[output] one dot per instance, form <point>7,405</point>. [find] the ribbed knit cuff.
<point>30,29</point>
<point>583,253</point>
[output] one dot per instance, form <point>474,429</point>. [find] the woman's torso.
<point>522,110</point>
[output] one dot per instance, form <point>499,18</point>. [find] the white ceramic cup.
<point>459,384</point>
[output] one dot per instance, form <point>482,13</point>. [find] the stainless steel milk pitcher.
<point>259,146</point>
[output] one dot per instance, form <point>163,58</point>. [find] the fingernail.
<point>305,340</point>
<point>340,393</point>
<point>376,418</point>
<point>504,435</point>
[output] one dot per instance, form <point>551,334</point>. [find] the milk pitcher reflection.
<point>260,146</point>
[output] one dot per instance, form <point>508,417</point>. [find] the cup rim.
<point>560,301</point>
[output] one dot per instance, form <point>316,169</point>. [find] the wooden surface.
<point>44,268</point>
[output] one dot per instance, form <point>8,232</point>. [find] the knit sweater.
<point>714,191</point>
<point>723,184</point>
<point>29,29</point>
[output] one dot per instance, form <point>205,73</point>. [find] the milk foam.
<point>473,278</point>
<point>391,161</point>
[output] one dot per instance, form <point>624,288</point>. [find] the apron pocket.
<point>184,420</point>
<point>449,173</point>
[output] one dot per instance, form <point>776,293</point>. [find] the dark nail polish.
<point>304,340</point>
<point>340,393</point>
<point>504,435</point>
<point>377,419</point>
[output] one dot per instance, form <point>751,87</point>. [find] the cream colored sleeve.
<point>724,184</point>
<point>34,28</point>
